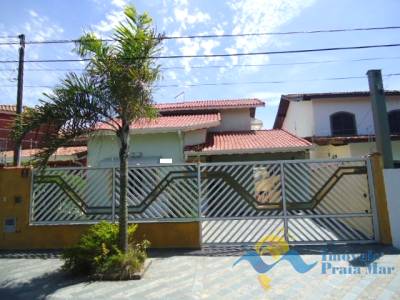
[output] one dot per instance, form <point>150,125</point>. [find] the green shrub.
<point>97,254</point>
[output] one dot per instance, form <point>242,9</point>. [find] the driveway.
<point>210,274</point>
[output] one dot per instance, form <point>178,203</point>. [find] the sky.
<point>59,19</point>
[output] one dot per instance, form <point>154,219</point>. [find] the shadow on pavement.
<point>38,287</point>
<point>238,250</point>
<point>30,254</point>
<point>226,250</point>
<point>47,284</point>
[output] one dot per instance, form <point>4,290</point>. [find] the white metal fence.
<point>87,195</point>
<point>302,201</point>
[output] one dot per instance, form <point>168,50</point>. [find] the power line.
<point>62,41</point>
<point>28,86</point>
<point>225,66</point>
<point>285,64</point>
<point>238,82</point>
<point>9,37</point>
<point>221,55</point>
<point>284,32</point>
<point>45,70</point>
<point>271,82</point>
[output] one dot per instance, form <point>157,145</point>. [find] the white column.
<point>392,187</point>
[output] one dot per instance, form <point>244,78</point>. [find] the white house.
<point>206,130</point>
<point>338,124</point>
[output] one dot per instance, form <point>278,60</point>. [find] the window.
<point>394,121</point>
<point>343,123</point>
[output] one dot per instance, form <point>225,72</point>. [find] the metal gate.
<point>301,201</point>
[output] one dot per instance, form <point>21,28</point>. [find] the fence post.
<point>285,220</point>
<point>31,203</point>
<point>199,202</point>
<point>371,190</point>
<point>380,197</point>
<point>113,195</point>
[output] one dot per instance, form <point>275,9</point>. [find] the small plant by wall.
<point>97,254</point>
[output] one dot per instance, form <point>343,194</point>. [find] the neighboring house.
<point>339,124</point>
<point>68,156</point>
<point>209,130</point>
<point>7,117</point>
<point>64,156</point>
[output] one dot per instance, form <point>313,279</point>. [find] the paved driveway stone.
<point>207,274</point>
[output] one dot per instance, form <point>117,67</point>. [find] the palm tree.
<point>114,90</point>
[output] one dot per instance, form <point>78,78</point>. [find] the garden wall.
<point>15,191</point>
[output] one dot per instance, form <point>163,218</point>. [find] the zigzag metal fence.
<point>88,195</point>
<point>302,201</point>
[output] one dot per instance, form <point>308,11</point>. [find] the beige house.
<point>338,124</point>
<point>206,130</point>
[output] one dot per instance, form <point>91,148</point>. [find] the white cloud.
<point>246,16</point>
<point>119,3</point>
<point>185,18</point>
<point>40,28</point>
<point>37,27</point>
<point>234,59</point>
<point>209,45</point>
<point>171,75</point>
<point>111,20</point>
<point>270,98</point>
<point>33,13</point>
<point>218,29</point>
<point>188,18</point>
<point>261,16</point>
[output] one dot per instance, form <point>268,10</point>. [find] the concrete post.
<point>392,187</point>
<point>379,113</point>
<point>380,198</point>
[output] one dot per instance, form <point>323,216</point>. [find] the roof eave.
<point>281,113</point>
<point>175,129</point>
<point>163,129</point>
<point>211,108</point>
<point>249,151</point>
<point>7,112</point>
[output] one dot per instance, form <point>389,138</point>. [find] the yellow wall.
<point>381,201</point>
<point>350,150</point>
<point>13,184</point>
<point>330,151</point>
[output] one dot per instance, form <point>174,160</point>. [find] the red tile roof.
<point>209,105</point>
<point>9,108</point>
<point>187,105</point>
<point>255,141</point>
<point>6,108</point>
<point>172,123</point>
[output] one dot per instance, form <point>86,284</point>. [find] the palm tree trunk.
<point>123,189</point>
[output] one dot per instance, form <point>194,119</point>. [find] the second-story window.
<point>394,121</point>
<point>343,123</point>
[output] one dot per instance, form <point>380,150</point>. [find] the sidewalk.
<point>206,274</point>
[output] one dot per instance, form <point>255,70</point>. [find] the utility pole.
<point>20,89</point>
<point>380,116</point>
